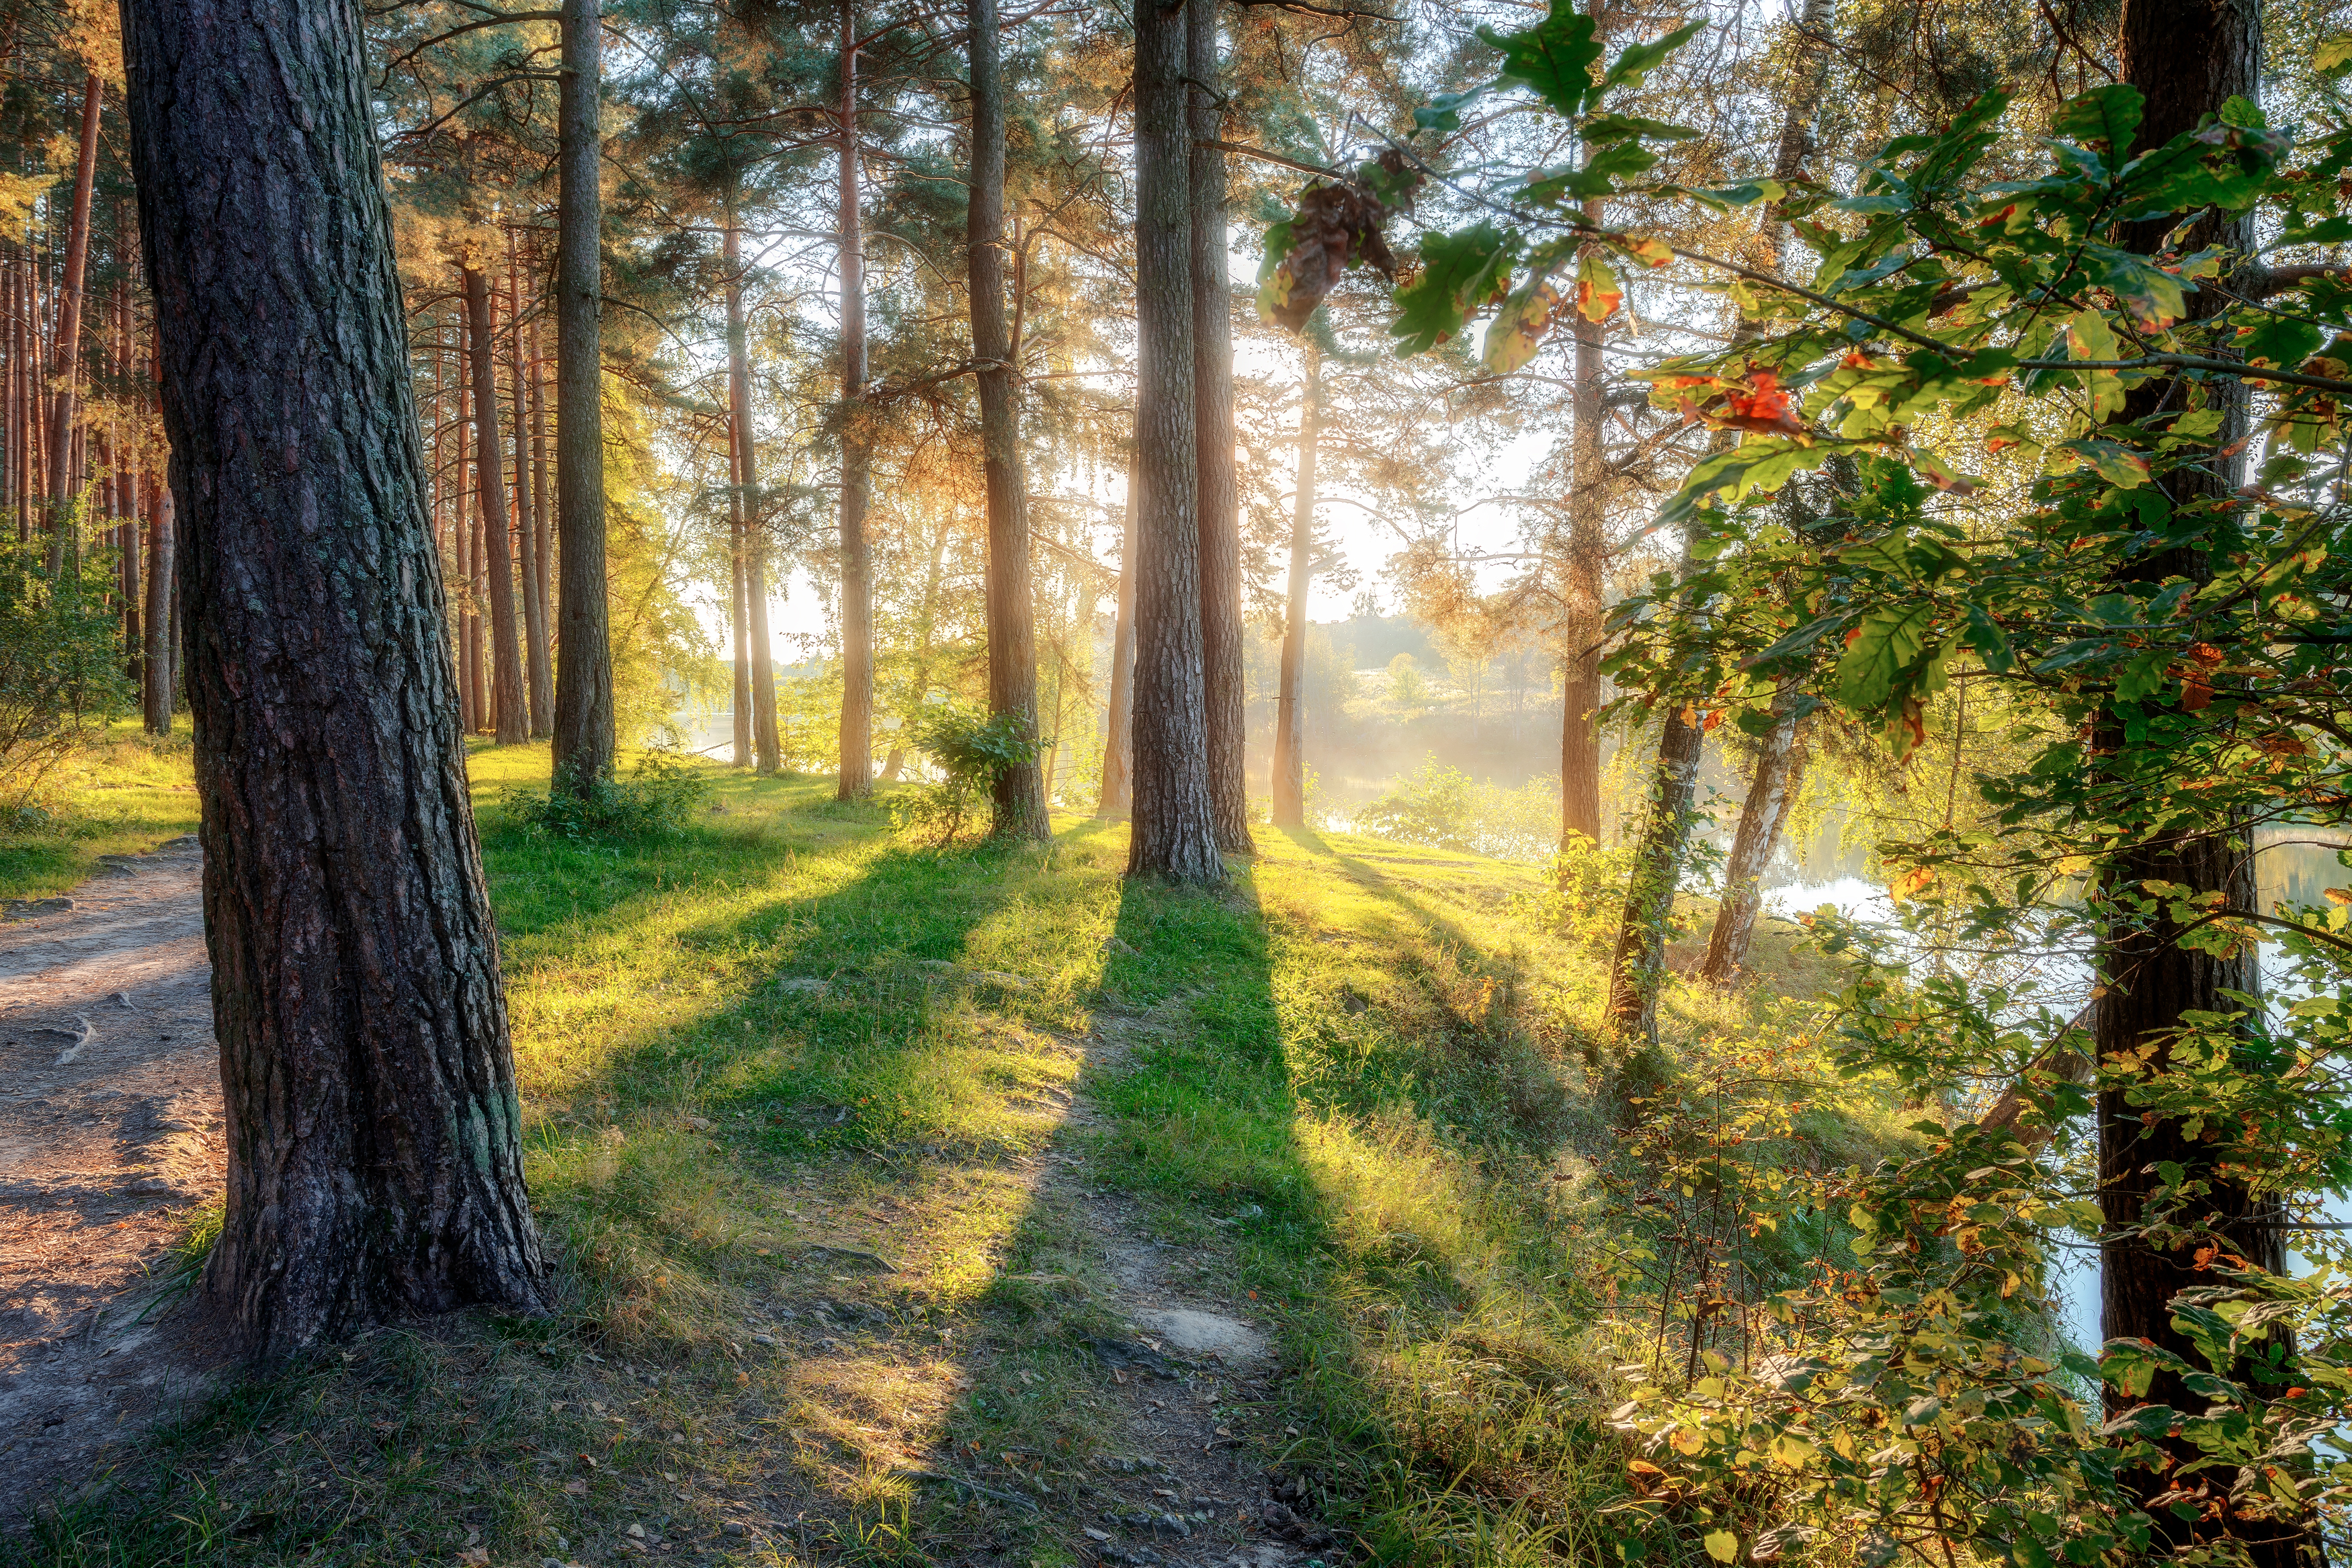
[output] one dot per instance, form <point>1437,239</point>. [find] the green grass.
<point>122,793</point>
<point>1358,1090</point>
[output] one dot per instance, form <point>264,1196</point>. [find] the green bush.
<point>1444,808</point>
<point>971,751</point>
<point>61,666</point>
<point>653,802</point>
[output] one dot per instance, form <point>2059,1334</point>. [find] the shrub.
<point>1445,809</point>
<point>653,802</point>
<point>61,672</point>
<point>971,751</point>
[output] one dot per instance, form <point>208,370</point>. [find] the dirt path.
<point>109,1133</point>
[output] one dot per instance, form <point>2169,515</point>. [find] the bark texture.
<point>857,455</point>
<point>1764,816</point>
<point>158,674</point>
<point>507,702</point>
<point>583,663</point>
<point>1019,794</point>
<point>1218,488</point>
<point>1289,707</point>
<point>375,1132</point>
<point>1639,966</point>
<point>1587,561</point>
<point>67,359</point>
<point>769,754</point>
<point>1174,833</point>
<point>2187,57</point>
<point>1119,737</point>
<point>538,673</point>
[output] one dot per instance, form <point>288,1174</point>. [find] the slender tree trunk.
<point>1218,488</point>
<point>542,509</point>
<point>375,1131</point>
<point>1174,833</point>
<point>857,456</point>
<point>747,492</point>
<point>155,696</point>
<point>67,354</point>
<point>1119,734</point>
<point>1587,549</point>
<point>1638,969</point>
<point>1290,709</point>
<point>475,705</point>
<point>2187,57</point>
<point>739,606</point>
<point>511,714</point>
<point>1780,766</point>
<point>1020,789</point>
<point>539,676</point>
<point>583,668</point>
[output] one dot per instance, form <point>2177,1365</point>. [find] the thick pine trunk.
<point>1290,708</point>
<point>746,493</point>
<point>584,654</point>
<point>2187,57</point>
<point>509,713</point>
<point>857,456</point>
<point>375,1135</point>
<point>1119,733</point>
<point>1771,791</point>
<point>157,674</point>
<point>1020,792</point>
<point>539,677</point>
<point>738,613</point>
<point>66,356</point>
<point>1217,487</point>
<point>1174,833</point>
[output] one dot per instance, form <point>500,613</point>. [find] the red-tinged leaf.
<point>2196,692</point>
<point>1651,253</point>
<point>1520,327</point>
<point>1598,292</point>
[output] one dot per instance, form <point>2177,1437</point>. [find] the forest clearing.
<point>1202,784</point>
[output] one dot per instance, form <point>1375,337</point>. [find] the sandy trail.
<point>109,1134</point>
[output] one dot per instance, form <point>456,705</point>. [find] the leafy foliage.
<point>973,750</point>
<point>60,662</point>
<point>655,801</point>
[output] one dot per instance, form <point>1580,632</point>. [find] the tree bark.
<point>1638,969</point>
<point>1020,789</point>
<point>67,353</point>
<point>527,506</point>
<point>583,666</point>
<point>857,456</point>
<point>747,492</point>
<point>2187,57</point>
<point>1780,766</point>
<point>542,509</point>
<point>509,712</point>
<point>1290,708</point>
<point>1175,832</point>
<point>155,694</point>
<point>739,607</point>
<point>375,1134</point>
<point>1119,733</point>
<point>1588,509</point>
<point>1217,487</point>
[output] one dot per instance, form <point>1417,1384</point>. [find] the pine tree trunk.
<point>1771,791</point>
<point>1019,791</point>
<point>374,1130</point>
<point>527,506</point>
<point>543,519</point>
<point>856,457</point>
<point>1217,487</point>
<point>508,701</point>
<point>1588,507</point>
<point>583,656</point>
<point>1290,708</point>
<point>1118,730</point>
<point>155,694</point>
<point>738,611</point>
<point>475,707</point>
<point>2187,57</point>
<point>747,491</point>
<point>68,351</point>
<point>1175,832</point>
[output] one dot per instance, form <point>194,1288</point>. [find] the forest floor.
<point>918,1207</point>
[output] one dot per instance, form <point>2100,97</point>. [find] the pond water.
<point>2290,867</point>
